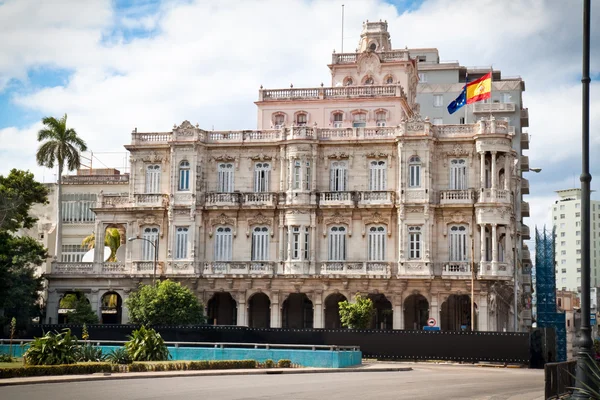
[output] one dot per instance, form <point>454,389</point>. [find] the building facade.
<point>341,190</point>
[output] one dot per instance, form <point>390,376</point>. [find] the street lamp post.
<point>155,261</point>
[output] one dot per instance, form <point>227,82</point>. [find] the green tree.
<point>82,312</point>
<point>112,239</point>
<point>166,303</point>
<point>356,315</point>
<point>18,192</point>
<point>61,147</point>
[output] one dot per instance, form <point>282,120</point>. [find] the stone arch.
<point>383,315</point>
<point>111,308</point>
<point>297,311</point>
<point>221,309</point>
<point>259,310</point>
<point>416,312</point>
<point>332,310</point>
<point>65,304</point>
<point>455,313</point>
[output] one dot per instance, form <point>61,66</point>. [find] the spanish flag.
<point>479,89</point>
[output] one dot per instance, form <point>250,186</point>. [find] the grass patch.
<point>18,363</point>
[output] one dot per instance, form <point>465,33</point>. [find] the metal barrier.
<point>559,378</point>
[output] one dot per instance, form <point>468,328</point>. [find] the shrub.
<point>356,315</point>
<point>269,364</point>
<point>43,370</point>
<point>119,356</point>
<point>6,358</point>
<point>145,344</point>
<point>88,353</point>
<point>284,364</point>
<point>53,349</point>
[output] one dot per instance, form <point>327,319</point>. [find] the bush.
<point>6,358</point>
<point>356,315</point>
<point>284,364</point>
<point>43,370</point>
<point>88,353</point>
<point>119,356</point>
<point>145,344</point>
<point>53,349</point>
<point>269,364</point>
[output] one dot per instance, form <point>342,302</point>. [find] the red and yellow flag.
<point>479,89</point>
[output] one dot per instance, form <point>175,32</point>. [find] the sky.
<point>113,66</point>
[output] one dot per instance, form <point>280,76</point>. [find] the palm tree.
<point>112,240</point>
<point>62,147</point>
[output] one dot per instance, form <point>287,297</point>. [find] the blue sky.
<point>114,66</point>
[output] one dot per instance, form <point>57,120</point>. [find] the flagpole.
<point>491,84</point>
<point>465,89</point>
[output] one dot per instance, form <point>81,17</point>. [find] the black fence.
<point>506,347</point>
<point>559,378</point>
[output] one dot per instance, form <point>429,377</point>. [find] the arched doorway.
<point>456,313</point>
<point>332,310</point>
<point>222,309</point>
<point>297,312</point>
<point>259,311</point>
<point>67,303</point>
<point>416,312</point>
<point>383,316</point>
<point>111,309</point>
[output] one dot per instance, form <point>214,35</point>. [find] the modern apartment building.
<point>341,190</point>
<point>566,220</point>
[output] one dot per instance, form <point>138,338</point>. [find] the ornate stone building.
<point>341,190</point>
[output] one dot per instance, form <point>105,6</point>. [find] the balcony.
<point>246,136</point>
<point>222,200</point>
<point>321,93</point>
<point>524,186</point>
<point>115,268</point>
<point>495,196</point>
<point>180,268</point>
<point>376,199</point>
<point>416,195</point>
<point>496,270</point>
<point>385,56</point>
<point>414,269</point>
<point>356,269</point>
<point>259,200</point>
<point>526,255</point>
<point>526,314</point>
<point>526,279</point>
<point>524,209</point>
<point>524,141</point>
<point>253,268</point>
<point>456,269</point>
<point>150,138</point>
<point>524,163</point>
<point>336,199</point>
<point>151,200</point>
<point>525,234</point>
<point>95,179</point>
<point>64,268</point>
<point>479,108</point>
<point>297,267</point>
<point>525,118</point>
<point>448,197</point>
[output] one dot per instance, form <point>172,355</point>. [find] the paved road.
<point>424,382</point>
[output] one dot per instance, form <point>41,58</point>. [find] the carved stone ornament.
<point>368,63</point>
<point>185,129</point>
<point>337,218</point>
<point>259,219</point>
<point>338,156</point>
<point>261,157</point>
<point>376,218</point>
<point>223,158</point>
<point>223,220</point>
<point>458,151</point>
<point>150,158</point>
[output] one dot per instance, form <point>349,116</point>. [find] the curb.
<point>175,374</point>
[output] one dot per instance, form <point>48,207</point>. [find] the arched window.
<point>414,242</point>
<point>184,175</point>
<point>225,178</point>
<point>153,178</point>
<point>380,118</point>
<point>262,172</point>
<point>278,120</point>
<point>223,243</point>
<point>458,174</point>
<point>150,235</point>
<point>338,176</point>
<point>414,168</point>
<point>348,81</point>
<point>181,242</point>
<point>377,175</point>
<point>337,243</point>
<point>301,119</point>
<point>376,243</point>
<point>458,243</point>
<point>389,80</point>
<point>338,118</point>
<point>369,81</point>
<point>360,120</point>
<point>373,46</point>
<point>260,244</point>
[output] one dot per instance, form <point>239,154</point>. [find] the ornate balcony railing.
<point>151,200</point>
<point>115,201</point>
<point>259,199</point>
<point>525,209</point>
<point>222,199</point>
<point>414,267</point>
<point>456,268</point>
<point>114,268</point>
<point>495,196</point>
<point>493,107</point>
<point>145,267</point>
<point>348,268</point>
<point>453,131</point>
<point>343,92</point>
<point>525,232</point>
<point>138,138</point>
<point>466,196</point>
<point>65,268</point>
<point>385,56</point>
<point>335,199</point>
<point>238,268</point>
<point>94,179</point>
<point>374,198</point>
<point>181,267</point>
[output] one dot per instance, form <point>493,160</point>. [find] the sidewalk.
<point>172,374</point>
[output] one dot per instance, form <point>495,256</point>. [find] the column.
<point>318,317</point>
<point>281,237</point>
<point>398,322</point>
<point>98,250</point>
<point>289,244</point>
<point>494,248</point>
<point>494,175</point>
<point>507,174</point>
<point>482,169</point>
<point>434,309</point>
<point>52,306</point>
<point>313,166</point>
<point>482,318</point>
<point>282,169</point>
<point>275,310</point>
<point>483,246</point>
<point>242,311</point>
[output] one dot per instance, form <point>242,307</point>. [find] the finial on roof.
<point>174,126</point>
<point>321,84</point>
<point>197,125</point>
<point>261,87</point>
<point>333,51</point>
<point>291,85</point>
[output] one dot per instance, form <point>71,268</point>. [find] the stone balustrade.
<point>151,200</point>
<point>320,93</point>
<point>220,268</point>
<point>349,268</point>
<point>94,179</point>
<point>64,268</point>
<point>330,199</point>
<point>375,198</point>
<point>141,138</point>
<point>385,56</point>
<point>222,199</point>
<point>466,196</point>
<point>489,195</point>
<point>266,199</point>
<point>456,268</point>
<point>493,107</point>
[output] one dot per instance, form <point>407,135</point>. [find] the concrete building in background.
<point>569,303</point>
<point>345,189</point>
<point>566,219</point>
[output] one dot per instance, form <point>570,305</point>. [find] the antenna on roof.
<point>342,28</point>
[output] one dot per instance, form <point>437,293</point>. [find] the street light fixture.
<point>536,170</point>
<point>155,261</point>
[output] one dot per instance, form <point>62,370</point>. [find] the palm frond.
<point>46,154</point>
<point>89,242</point>
<point>72,157</point>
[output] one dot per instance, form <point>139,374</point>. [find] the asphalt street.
<point>424,382</point>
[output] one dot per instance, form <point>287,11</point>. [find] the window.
<point>369,81</point>
<point>423,77</point>
<point>150,235</point>
<point>184,175</point>
<point>577,205</point>
<point>578,270</point>
<point>562,216</point>
<point>153,179</point>
<point>377,175</point>
<point>578,261</point>
<point>72,253</point>
<point>563,271</point>
<point>578,280</point>
<point>338,120</point>
<point>577,214</point>
<point>414,242</point>
<point>563,281</point>
<point>338,176</point>
<point>380,118</point>
<point>348,82</point>
<point>458,243</point>
<point>298,177</point>
<point>563,243</point>
<point>562,234</point>
<point>458,174</point>
<point>563,262</point>
<point>389,80</point>
<point>77,208</point>
<point>223,243</point>
<point>578,242</point>
<point>260,244</point>
<point>577,224</point>
<point>360,120</point>
<point>438,100</point>
<point>306,242</point>
<point>562,225</point>
<point>376,243</point>
<point>421,58</point>
<point>562,207</point>
<point>337,243</point>
<point>278,120</point>
<point>438,121</point>
<point>295,242</point>
<point>577,233</point>
<point>506,97</point>
<point>307,175</point>
<point>225,178</point>
<point>555,217</point>
<point>414,170</point>
<point>262,172</point>
<point>301,119</point>
<point>181,242</point>
<point>563,252</point>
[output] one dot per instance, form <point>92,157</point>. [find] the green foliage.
<point>19,191</point>
<point>119,356</point>
<point>269,364</point>
<point>284,364</point>
<point>82,310</point>
<point>45,370</point>
<point>112,239</point>
<point>594,368</point>
<point>88,353</point>
<point>145,344</point>
<point>62,145</point>
<point>53,349</point>
<point>356,315</point>
<point>85,335</point>
<point>5,358</point>
<point>166,303</point>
